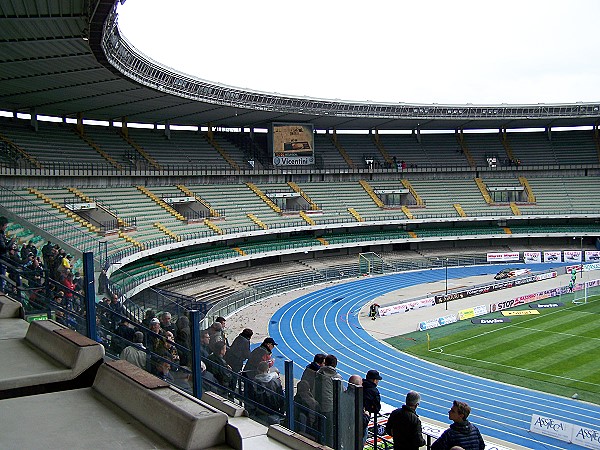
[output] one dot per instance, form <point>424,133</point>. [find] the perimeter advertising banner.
<point>293,144</point>
<point>503,257</point>
<point>565,431</point>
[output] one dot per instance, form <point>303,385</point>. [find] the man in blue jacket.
<point>462,432</point>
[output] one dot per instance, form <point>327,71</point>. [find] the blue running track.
<point>326,321</point>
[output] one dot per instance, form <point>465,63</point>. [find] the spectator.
<point>78,281</point>
<point>182,338</point>
<point>204,341</point>
<point>148,316</point>
<point>5,245</point>
<point>215,335</point>
<point>124,334</point>
<point>163,371</point>
<point>306,408</point>
<point>217,365</point>
<point>324,393</point>
<point>461,432</point>
<point>311,370</point>
<point>268,394</point>
<point>168,349</point>
<point>136,352</point>
<point>221,320</point>
<point>260,353</point>
<point>239,350</point>
<point>371,396</point>
<point>153,337</point>
<point>165,322</point>
<point>404,424</point>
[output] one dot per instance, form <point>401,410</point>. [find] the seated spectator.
<point>217,365</point>
<point>163,371</point>
<point>153,338</point>
<point>136,352</point>
<point>165,322</point>
<point>123,336</point>
<point>204,341</point>
<point>182,339</point>
<point>267,392</point>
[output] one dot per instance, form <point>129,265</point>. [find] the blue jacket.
<point>463,434</point>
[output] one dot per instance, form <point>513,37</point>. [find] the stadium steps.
<point>296,188</point>
<point>515,209</point>
<point>257,221</point>
<point>407,212</point>
<point>81,133</point>
<point>483,189</point>
<point>213,212</point>
<point>64,210</point>
<point>355,214</point>
<point>160,203</point>
<point>369,190</point>
<point>506,144</point>
<point>213,227</point>
<point>459,210</point>
<point>21,151</point>
<point>525,184</point>
<point>343,152</point>
<point>211,140</point>
<point>168,232</point>
<point>413,192</point>
<point>140,150</point>
<point>460,137</point>
<point>384,153</point>
<point>263,197</point>
<point>307,218</point>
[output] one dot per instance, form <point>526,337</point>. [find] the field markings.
<point>516,368</point>
<point>557,332</point>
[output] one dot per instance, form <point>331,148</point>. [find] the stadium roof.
<point>67,58</point>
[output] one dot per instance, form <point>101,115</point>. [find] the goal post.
<point>370,263</point>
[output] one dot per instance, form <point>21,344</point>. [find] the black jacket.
<point>371,397</point>
<point>404,426</point>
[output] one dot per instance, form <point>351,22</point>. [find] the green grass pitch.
<point>557,351</point>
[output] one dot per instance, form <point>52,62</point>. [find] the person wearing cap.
<point>371,397</point>
<point>404,424</point>
<point>136,352</point>
<point>261,353</point>
<point>239,350</point>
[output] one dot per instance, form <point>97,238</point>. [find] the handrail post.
<point>195,356</point>
<point>289,393</point>
<point>90,295</point>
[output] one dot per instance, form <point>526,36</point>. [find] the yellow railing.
<point>412,191</point>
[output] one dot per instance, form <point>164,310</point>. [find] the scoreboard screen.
<point>293,144</point>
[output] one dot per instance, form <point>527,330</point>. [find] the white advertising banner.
<point>406,306</point>
<point>551,427</point>
<point>592,256</point>
<point>552,257</point>
<point>503,257</point>
<point>573,256</point>
<point>532,257</point>
<point>586,437</point>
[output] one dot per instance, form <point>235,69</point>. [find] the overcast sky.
<point>445,52</point>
